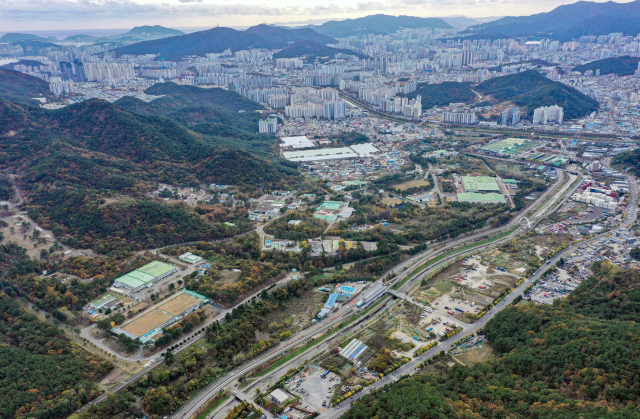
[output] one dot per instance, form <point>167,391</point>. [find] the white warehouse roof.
<point>297,142</point>
<point>355,151</point>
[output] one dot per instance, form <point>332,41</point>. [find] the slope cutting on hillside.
<point>220,39</point>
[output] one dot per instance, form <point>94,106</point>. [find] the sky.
<point>46,15</point>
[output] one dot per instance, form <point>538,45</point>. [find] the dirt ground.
<point>228,278</point>
<point>298,311</point>
<point>480,353</point>
<point>411,184</point>
<point>391,201</point>
<point>178,304</point>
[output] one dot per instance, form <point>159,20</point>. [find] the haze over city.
<point>39,15</point>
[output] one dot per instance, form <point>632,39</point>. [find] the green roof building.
<point>145,276</point>
<point>481,198</point>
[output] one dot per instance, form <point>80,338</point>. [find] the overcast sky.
<point>32,15</point>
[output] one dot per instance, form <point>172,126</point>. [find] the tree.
<point>169,357</point>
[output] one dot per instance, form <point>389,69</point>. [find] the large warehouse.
<point>145,276</point>
<point>479,183</point>
<point>148,325</point>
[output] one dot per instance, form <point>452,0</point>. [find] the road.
<point>408,266</point>
<point>409,368</point>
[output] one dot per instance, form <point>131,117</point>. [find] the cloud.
<point>190,1</point>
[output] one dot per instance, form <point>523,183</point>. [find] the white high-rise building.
<point>268,126</point>
<point>548,114</point>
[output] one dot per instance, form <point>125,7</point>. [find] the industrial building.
<point>107,300</point>
<point>481,198</point>
<point>479,183</point>
<point>301,141</point>
<point>354,350</point>
<point>597,199</point>
<point>148,325</point>
<point>145,276</point>
<point>353,152</point>
<point>376,292</point>
<point>190,258</point>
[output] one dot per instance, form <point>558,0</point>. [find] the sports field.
<point>147,322</point>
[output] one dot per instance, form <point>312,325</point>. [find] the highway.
<point>200,400</point>
<point>409,368</point>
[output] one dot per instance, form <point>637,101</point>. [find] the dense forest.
<point>531,90</point>
<point>22,88</point>
<point>622,66</point>
<point>44,375</point>
<point>6,189</point>
<point>442,94</point>
<point>87,168</point>
<point>628,161</point>
<point>576,359</point>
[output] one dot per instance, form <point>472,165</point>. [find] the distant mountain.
<point>377,24</point>
<point>219,39</point>
<point>530,90</point>
<point>622,66</point>
<point>154,30</point>
<point>80,38</point>
<point>601,25</point>
<point>312,50</point>
<point>563,18</point>
<point>10,38</point>
<point>460,21</point>
<point>22,88</point>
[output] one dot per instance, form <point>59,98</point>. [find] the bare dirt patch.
<point>178,304</point>
<point>412,184</point>
<point>147,322</point>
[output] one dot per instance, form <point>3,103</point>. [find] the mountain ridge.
<point>377,24</point>
<point>219,39</point>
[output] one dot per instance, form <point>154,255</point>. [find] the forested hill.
<point>222,118</point>
<point>86,170</point>
<point>530,90</point>
<point>577,19</point>
<point>377,24</point>
<point>155,30</point>
<point>220,39</point>
<point>442,94</point>
<point>180,96</point>
<point>622,66</point>
<point>22,88</point>
<point>313,50</point>
<point>576,359</point>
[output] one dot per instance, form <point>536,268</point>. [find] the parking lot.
<point>312,388</point>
